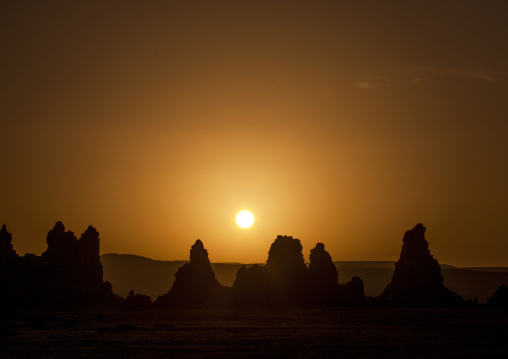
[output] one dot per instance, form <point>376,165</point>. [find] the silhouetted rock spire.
<point>321,266</point>
<point>89,262</point>
<point>68,273</point>
<point>9,270</point>
<point>7,252</point>
<point>198,254</point>
<point>285,258</point>
<point>195,283</point>
<point>324,288</point>
<point>62,246</point>
<point>287,271</point>
<point>88,244</point>
<point>198,273</point>
<point>281,282</point>
<point>417,278</point>
<point>323,275</point>
<point>285,280</point>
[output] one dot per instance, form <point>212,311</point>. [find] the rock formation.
<point>7,253</point>
<point>281,282</point>
<point>285,258</point>
<point>195,284</point>
<point>9,269</point>
<point>138,301</point>
<point>323,275</point>
<point>68,273</point>
<point>62,246</point>
<point>353,293</point>
<point>499,299</point>
<point>417,279</point>
<point>252,288</point>
<point>73,267</point>
<point>286,269</point>
<point>324,288</point>
<point>285,280</point>
<point>89,262</point>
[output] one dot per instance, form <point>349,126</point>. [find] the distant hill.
<point>143,275</point>
<point>375,274</point>
<point>478,282</point>
<point>153,277</point>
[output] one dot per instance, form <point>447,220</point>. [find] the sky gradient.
<point>342,122</point>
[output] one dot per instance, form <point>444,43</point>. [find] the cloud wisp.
<point>419,74</point>
<point>483,75</point>
<point>369,85</point>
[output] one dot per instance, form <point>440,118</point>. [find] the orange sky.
<point>344,122</point>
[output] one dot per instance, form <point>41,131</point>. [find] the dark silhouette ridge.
<point>499,299</point>
<point>68,273</point>
<point>282,282</point>
<point>195,284</point>
<point>417,279</point>
<point>286,281</point>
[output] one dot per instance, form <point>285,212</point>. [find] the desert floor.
<point>346,333</point>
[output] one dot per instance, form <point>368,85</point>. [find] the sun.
<point>244,219</point>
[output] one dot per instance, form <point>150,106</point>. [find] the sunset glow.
<point>244,219</point>
<point>335,121</point>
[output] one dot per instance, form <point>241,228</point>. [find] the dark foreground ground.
<point>351,333</point>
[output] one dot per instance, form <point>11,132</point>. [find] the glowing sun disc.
<point>244,219</point>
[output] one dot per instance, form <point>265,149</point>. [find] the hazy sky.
<point>343,122</point>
